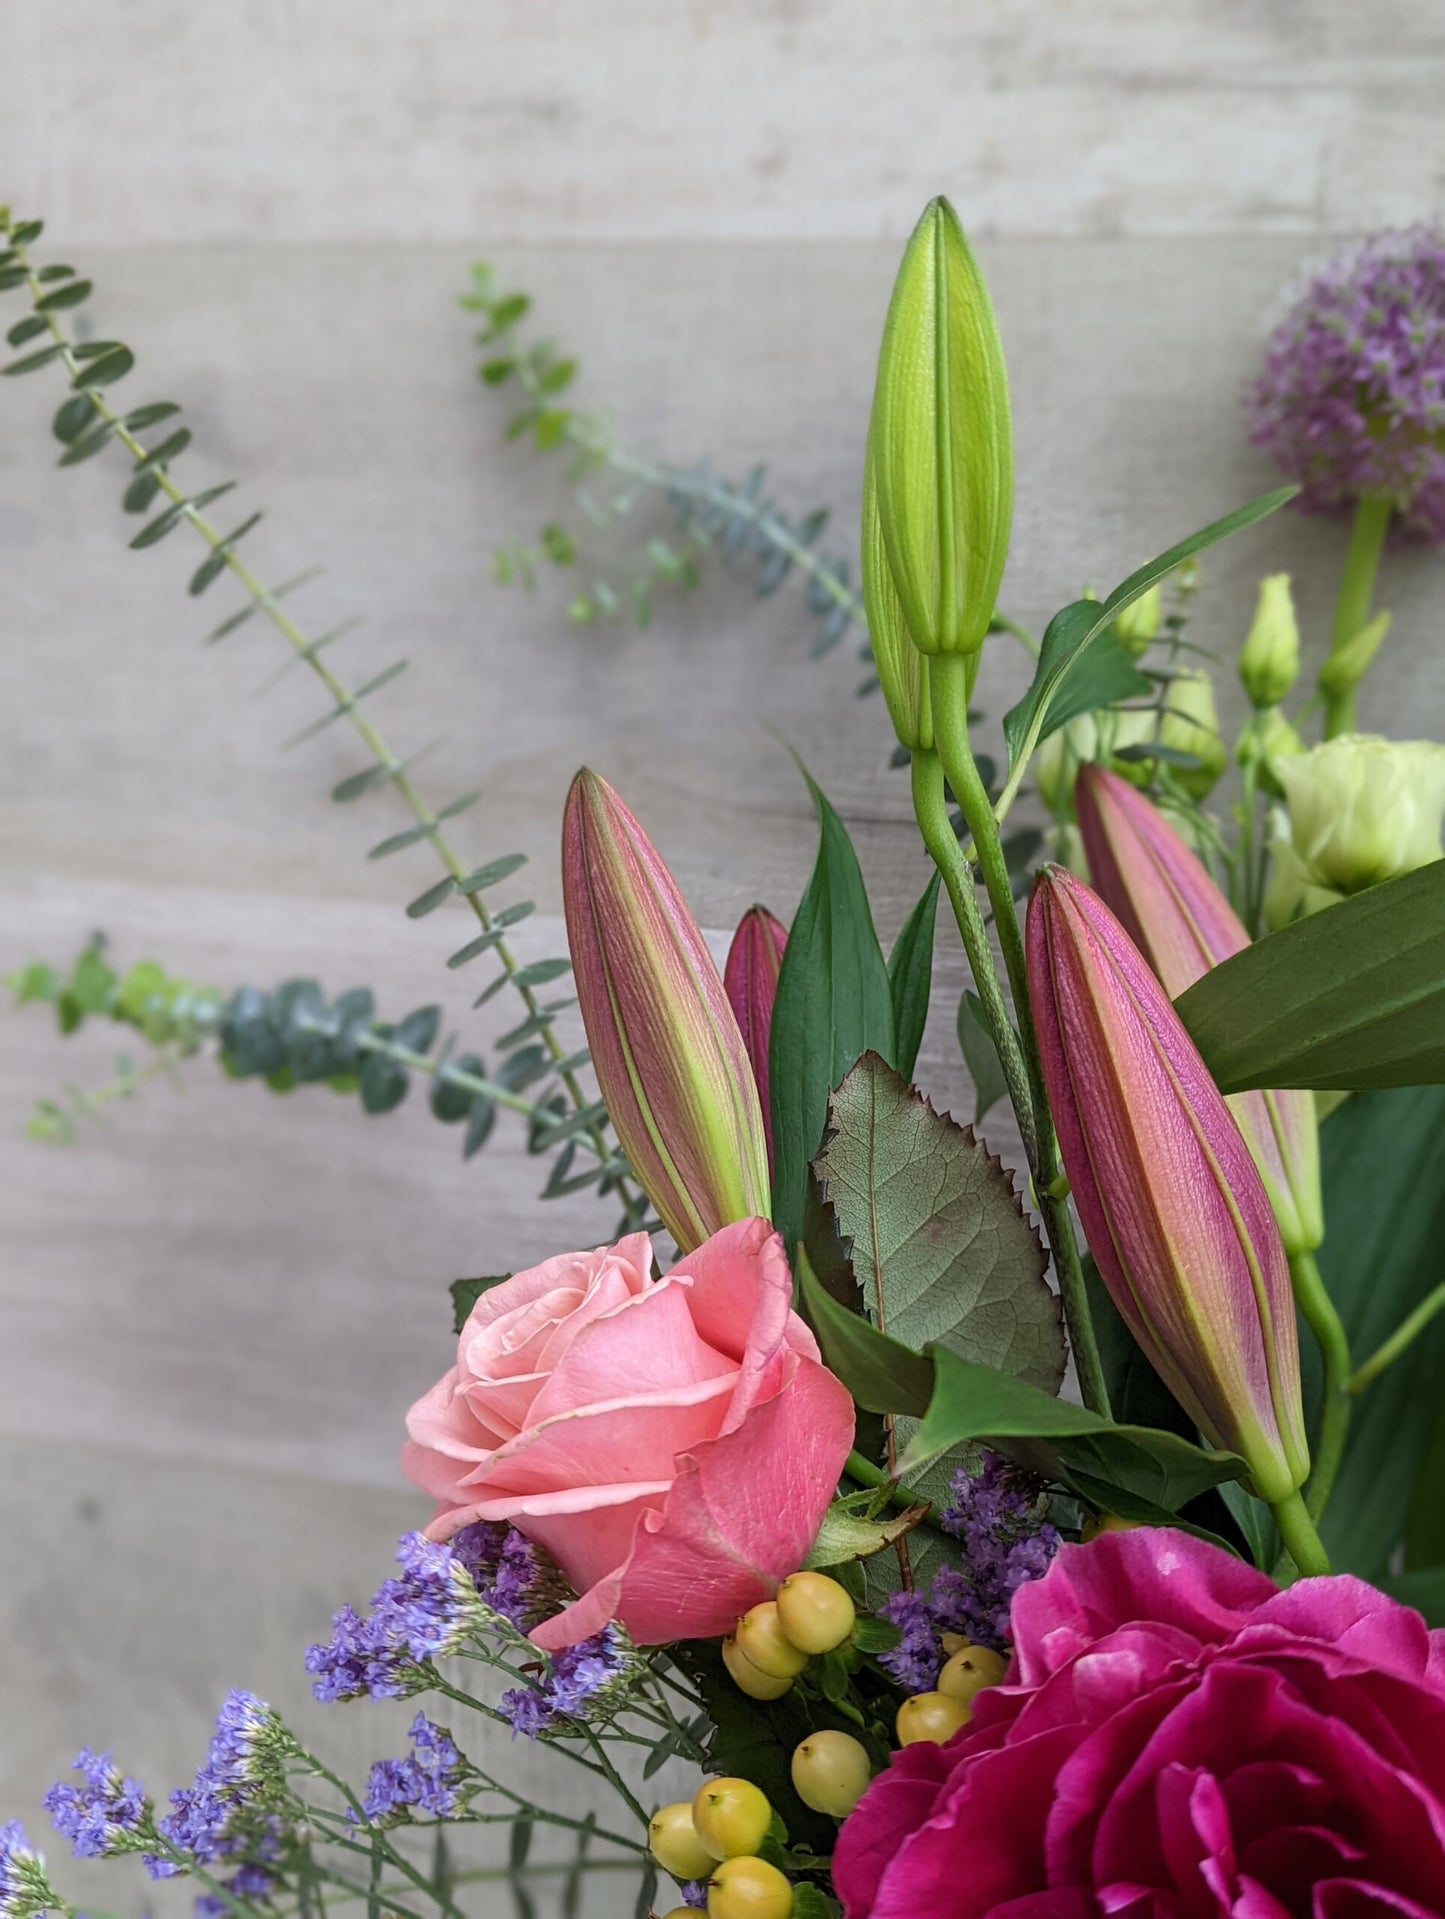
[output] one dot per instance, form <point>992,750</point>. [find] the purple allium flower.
<point>445,1593</point>
<point>915,1660</point>
<point>1351,399</point>
<point>428,1779</point>
<point>24,1889</point>
<point>105,1815</point>
<point>577,1675</point>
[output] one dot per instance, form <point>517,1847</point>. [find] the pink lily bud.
<point>669,1059</point>
<point>1183,925</point>
<point>750,978</point>
<point>1171,1202</point>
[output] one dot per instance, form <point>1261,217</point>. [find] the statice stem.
<point>1352,606</point>
<point>1324,1322</point>
<point>1408,1330</point>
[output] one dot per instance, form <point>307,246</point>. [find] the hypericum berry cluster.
<point>446,1592</point>
<point>773,1641</point>
<point>711,1846</point>
<point>1351,399</point>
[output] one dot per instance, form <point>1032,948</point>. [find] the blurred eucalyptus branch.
<point>88,424</point>
<point>734,520</point>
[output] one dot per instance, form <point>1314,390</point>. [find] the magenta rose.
<point>671,1443</point>
<point>1176,1739</point>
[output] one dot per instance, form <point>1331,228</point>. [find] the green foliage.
<point>980,1055</point>
<point>733,521</point>
<point>910,977</point>
<point>834,1003</point>
<point>1350,997</point>
<point>938,1239</point>
<point>86,424</point>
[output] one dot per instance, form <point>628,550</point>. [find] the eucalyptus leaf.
<point>1350,997</point>
<point>834,1003</point>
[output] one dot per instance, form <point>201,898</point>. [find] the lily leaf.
<point>910,977</point>
<point>834,1003</point>
<point>1350,997</point>
<point>1073,630</point>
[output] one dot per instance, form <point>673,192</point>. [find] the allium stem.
<point>1301,1541</point>
<point>1352,605</point>
<point>1324,1322</point>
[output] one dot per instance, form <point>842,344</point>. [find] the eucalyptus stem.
<point>1324,1322</point>
<point>344,700</point>
<point>1407,1331</point>
<point>1352,605</point>
<point>1301,1541</point>
<point>948,680</point>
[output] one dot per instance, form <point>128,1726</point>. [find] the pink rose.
<point>671,1443</point>
<point>1177,1739</point>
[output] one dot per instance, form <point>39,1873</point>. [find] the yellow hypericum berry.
<point>1108,1523</point>
<point>814,1611</point>
<point>831,1772</point>
<point>930,1715</point>
<point>680,1912</point>
<point>746,1888</point>
<point>673,1842</point>
<point>969,1670</point>
<point>732,1817</point>
<point>748,1678</point>
<point>761,1639</point>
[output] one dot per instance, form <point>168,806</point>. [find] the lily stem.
<point>1408,1330</point>
<point>1301,1541</point>
<point>1324,1322</point>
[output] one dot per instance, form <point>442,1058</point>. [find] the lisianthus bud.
<point>1363,810</point>
<point>1172,1205</point>
<point>1347,665</point>
<point>1120,729</point>
<point>1138,624</point>
<point>1269,659</point>
<point>1265,743</point>
<point>1183,925</point>
<point>750,979</point>
<point>940,449</point>
<point>1059,756</point>
<point>1190,724</point>
<point>669,1058</point>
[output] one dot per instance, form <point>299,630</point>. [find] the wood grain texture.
<point>325,120</point>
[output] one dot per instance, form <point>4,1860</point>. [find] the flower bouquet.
<point>960,1543</point>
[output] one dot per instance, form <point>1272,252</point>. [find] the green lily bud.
<point>1347,665</point>
<point>940,445</point>
<point>1361,810</point>
<point>902,674</point>
<point>1138,625</point>
<point>1190,724</point>
<point>1269,659</point>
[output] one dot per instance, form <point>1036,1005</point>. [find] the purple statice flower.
<point>252,1883</point>
<point>694,1893</point>
<point>105,1814</point>
<point>428,1780</point>
<point>575,1677</point>
<point>993,1515</point>
<point>1351,398</point>
<point>242,1771</point>
<point>446,1592</point>
<point>24,1889</point>
<point>915,1660</point>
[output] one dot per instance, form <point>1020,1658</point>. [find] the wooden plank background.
<point>213,1315</point>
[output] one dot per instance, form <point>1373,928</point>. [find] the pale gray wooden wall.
<point>215,1314</point>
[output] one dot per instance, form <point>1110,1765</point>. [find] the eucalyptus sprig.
<point>86,424</point>
<point>735,520</point>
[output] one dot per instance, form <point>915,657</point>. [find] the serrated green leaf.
<point>845,1536</point>
<point>1350,997</point>
<point>465,1294</point>
<point>834,1003</point>
<point>882,1375</point>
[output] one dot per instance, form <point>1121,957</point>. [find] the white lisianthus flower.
<point>1360,810</point>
